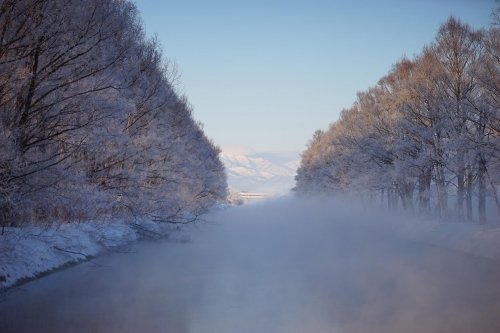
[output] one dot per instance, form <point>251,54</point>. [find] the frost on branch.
<point>427,135</point>
<point>90,122</point>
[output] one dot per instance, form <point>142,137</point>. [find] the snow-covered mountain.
<point>268,173</point>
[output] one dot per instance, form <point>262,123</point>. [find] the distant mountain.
<point>268,173</point>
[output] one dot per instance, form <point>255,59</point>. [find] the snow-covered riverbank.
<point>472,238</point>
<point>32,251</point>
<point>467,237</point>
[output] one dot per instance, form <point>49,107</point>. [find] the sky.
<point>266,74</point>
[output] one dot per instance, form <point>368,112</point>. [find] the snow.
<point>269,173</point>
<point>31,251</point>
<point>479,240</point>
<point>466,237</point>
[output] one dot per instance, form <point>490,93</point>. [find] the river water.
<point>281,266</point>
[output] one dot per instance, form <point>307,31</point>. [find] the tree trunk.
<point>441,189</point>
<point>468,194</point>
<point>481,191</point>
<point>495,194</point>
<point>424,189</point>
<point>392,197</point>
<point>460,189</point>
<point>408,188</point>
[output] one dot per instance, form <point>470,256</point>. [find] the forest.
<point>91,122</point>
<point>426,137</point>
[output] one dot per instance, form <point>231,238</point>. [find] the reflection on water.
<point>275,267</point>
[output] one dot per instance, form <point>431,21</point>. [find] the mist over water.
<point>286,265</point>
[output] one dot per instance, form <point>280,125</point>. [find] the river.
<point>268,267</point>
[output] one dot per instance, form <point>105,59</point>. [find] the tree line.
<point>91,123</point>
<point>426,136</point>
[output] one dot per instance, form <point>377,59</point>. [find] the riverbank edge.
<point>470,238</point>
<point>30,253</point>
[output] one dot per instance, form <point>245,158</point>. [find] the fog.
<point>286,265</point>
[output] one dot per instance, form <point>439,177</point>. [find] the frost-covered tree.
<point>430,127</point>
<point>90,122</point>
<point>486,108</point>
<point>457,49</point>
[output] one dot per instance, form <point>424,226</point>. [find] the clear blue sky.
<point>266,74</point>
